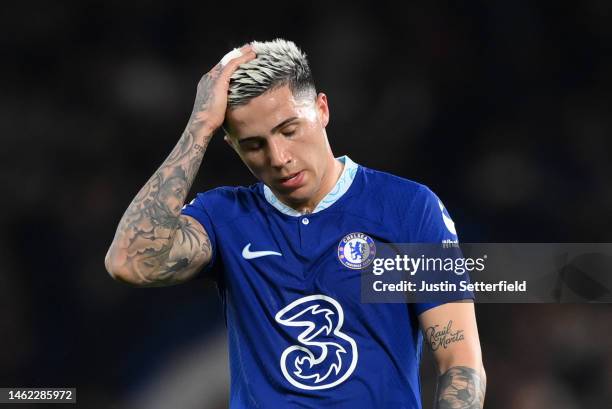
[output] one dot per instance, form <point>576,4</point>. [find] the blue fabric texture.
<point>299,336</point>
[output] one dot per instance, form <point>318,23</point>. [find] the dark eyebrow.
<point>248,139</point>
<point>273,130</point>
<point>285,122</point>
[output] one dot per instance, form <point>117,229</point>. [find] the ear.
<point>322,108</point>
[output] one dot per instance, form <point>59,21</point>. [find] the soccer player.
<point>286,251</point>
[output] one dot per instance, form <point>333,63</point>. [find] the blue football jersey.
<point>299,336</point>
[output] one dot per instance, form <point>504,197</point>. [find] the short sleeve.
<point>433,224</point>
<point>198,210</point>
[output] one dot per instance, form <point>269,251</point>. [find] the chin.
<point>297,196</point>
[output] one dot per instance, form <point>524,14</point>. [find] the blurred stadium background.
<point>500,107</point>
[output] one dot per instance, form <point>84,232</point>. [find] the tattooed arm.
<point>154,244</point>
<point>451,334</point>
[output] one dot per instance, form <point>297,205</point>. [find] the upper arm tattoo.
<point>153,242</point>
<point>460,387</point>
<point>191,248</point>
<point>152,223</point>
<point>441,337</point>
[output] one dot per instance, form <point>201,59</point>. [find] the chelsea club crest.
<point>356,250</point>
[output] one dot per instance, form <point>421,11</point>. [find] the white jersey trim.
<point>342,185</point>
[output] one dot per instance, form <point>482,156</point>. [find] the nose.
<point>278,151</point>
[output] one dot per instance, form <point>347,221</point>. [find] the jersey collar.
<point>342,185</point>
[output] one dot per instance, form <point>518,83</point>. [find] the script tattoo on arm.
<point>441,337</point>
<point>460,387</point>
<point>157,245</point>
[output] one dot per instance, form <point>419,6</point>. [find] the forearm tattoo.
<point>460,387</point>
<point>152,223</point>
<point>441,337</point>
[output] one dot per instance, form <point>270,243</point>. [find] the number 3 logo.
<point>324,356</point>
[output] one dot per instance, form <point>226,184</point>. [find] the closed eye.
<point>251,144</point>
<point>290,130</point>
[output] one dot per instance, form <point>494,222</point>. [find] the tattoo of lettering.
<point>460,388</point>
<point>442,337</point>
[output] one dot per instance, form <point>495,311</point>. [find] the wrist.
<point>201,131</point>
<point>204,121</point>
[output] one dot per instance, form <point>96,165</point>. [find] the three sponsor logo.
<point>323,356</point>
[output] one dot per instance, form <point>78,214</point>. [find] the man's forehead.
<point>266,111</point>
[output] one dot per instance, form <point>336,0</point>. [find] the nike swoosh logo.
<point>248,254</point>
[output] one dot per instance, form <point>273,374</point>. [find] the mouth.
<point>292,181</point>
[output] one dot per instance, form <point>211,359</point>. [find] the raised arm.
<point>451,334</point>
<point>154,244</point>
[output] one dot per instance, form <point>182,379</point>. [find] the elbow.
<point>111,265</point>
<point>483,375</point>
<point>467,357</point>
<point>116,270</point>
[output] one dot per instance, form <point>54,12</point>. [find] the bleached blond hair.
<point>278,63</point>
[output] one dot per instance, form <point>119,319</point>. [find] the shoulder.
<point>229,192</point>
<point>414,206</point>
<point>395,188</point>
<point>228,200</point>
